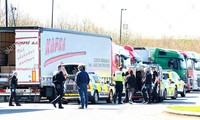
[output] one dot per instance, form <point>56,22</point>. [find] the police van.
<point>98,88</point>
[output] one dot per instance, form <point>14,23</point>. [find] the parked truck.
<point>193,64</point>
<point>39,50</point>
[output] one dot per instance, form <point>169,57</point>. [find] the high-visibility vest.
<point>118,76</point>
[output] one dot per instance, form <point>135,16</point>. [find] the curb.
<point>177,112</point>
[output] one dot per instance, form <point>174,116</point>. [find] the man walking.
<point>13,86</point>
<point>59,87</point>
<point>119,79</point>
<point>82,81</point>
<point>131,83</point>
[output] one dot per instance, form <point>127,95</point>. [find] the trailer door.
<point>27,56</point>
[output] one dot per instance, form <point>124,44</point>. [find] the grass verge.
<point>185,108</point>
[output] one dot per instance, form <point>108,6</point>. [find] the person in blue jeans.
<point>82,80</point>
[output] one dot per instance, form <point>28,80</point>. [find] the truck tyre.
<point>183,94</point>
<point>95,98</point>
<point>165,94</point>
<point>110,97</point>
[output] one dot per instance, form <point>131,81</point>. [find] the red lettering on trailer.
<point>55,44</point>
<point>23,43</point>
<point>25,69</point>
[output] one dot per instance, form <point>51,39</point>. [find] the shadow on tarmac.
<point>14,111</point>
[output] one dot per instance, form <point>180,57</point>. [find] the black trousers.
<point>154,93</point>
<point>146,92</point>
<point>118,92</point>
<point>59,91</point>
<point>126,96</point>
<point>13,95</point>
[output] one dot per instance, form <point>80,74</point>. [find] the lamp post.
<point>120,35</point>
<point>52,14</point>
<point>6,7</point>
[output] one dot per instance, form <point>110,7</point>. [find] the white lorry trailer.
<point>39,50</point>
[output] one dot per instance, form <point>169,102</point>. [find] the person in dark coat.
<point>131,83</point>
<point>147,86</point>
<point>126,99</point>
<point>13,86</point>
<point>82,81</point>
<point>59,87</point>
<point>155,82</point>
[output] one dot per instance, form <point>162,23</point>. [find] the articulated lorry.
<point>193,66</point>
<point>39,50</point>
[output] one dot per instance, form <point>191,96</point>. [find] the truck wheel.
<point>110,97</point>
<point>95,98</point>
<point>165,94</point>
<point>183,93</point>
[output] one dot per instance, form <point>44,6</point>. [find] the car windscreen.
<point>96,79</point>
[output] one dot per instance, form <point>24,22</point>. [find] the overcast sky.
<point>147,17</point>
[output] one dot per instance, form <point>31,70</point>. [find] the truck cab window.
<point>172,63</point>
<point>189,64</point>
<point>161,52</point>
<point>182,64</point>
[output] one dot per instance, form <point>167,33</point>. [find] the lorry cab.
<point>98,88</point>
<point>192,61</point>
<point>171,59</point>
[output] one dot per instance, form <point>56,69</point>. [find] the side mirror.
<point>107,82</point>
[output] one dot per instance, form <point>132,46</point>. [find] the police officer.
<point>13,86</point>
<point>119,79</point>
<point>146,89</point>
<point>59,87</point>
<point>155,82</point>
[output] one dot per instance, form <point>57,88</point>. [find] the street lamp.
<point>6,7</point>
<point>52,14</point>
<point>120,36</point>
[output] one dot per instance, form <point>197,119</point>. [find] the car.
<point>97,89</point>
<point>169,87</point>
<point>180,84</point>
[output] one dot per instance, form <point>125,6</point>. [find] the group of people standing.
<point>136,83</point>
<point>132,85</point>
